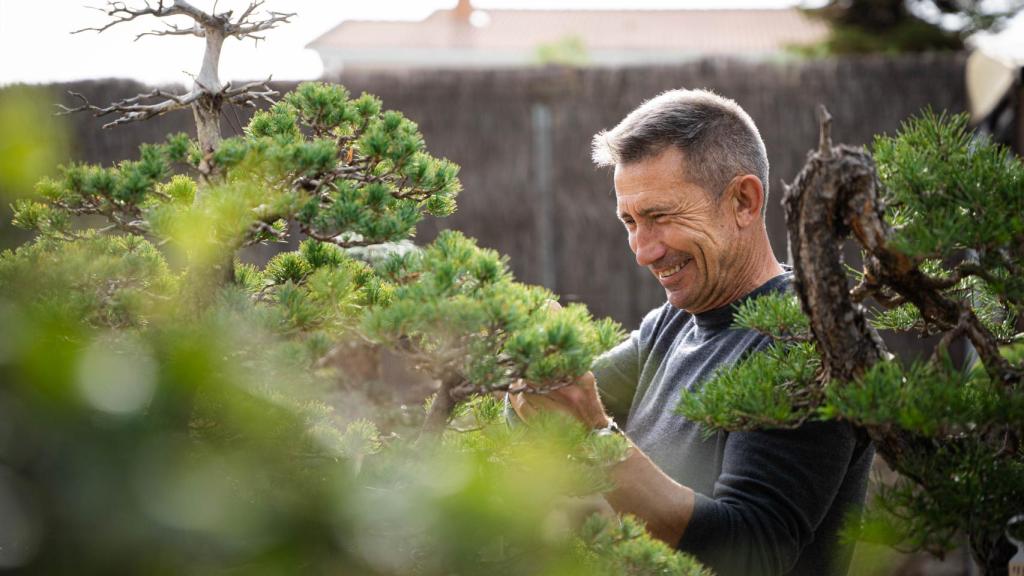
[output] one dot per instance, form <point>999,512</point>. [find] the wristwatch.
<point>609,429</point>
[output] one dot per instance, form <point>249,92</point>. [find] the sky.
<point>37,44</point>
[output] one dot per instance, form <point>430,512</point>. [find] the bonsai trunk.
<point>207,108</point>
<point>836,195</point>
<point>442,407</point>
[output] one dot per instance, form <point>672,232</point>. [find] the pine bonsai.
<point>937,216</point>
<point>208,95</point>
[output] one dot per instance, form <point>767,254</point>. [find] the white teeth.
<point>670,271</point>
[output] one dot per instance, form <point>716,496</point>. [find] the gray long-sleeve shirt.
<point>769,502</point>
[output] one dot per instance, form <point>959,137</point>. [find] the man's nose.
<point>649,248</point>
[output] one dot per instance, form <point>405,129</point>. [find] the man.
<point>691,178</point>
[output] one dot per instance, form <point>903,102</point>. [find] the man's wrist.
<point>597,421</point>
<point>608,428</point>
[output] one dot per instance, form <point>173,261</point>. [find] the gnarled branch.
<point>250,93</point>
<point>205,22</point>
<point>835,190</point>
<point>175,30</point>
<point>133,109</point>
<point>121,13</point>
<point>836,183</point>
<point>835,195</point>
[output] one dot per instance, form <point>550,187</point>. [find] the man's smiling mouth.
<point>662,274</point>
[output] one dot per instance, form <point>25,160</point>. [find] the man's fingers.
<point>517,402</point>
<point>525,410</point>
<point>553,306</point>
<point>587,380</point>
<point>528,405</point>
<point>544,402</point>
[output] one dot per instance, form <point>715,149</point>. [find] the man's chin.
<point>678,299</point>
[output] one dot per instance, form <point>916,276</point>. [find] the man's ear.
<point>746,197</point>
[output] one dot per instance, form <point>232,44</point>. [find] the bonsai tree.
<point>183,401</point>
<point>208,95</point>
<point>937,216</point>
<point>460,315</point>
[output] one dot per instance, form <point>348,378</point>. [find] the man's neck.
<point>757,267</point>
<point>760,267</point>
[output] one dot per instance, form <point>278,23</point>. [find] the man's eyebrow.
<point>646,212</point>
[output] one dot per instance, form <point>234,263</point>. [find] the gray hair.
<point>717,138</point>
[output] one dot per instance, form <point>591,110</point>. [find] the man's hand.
<point>579,399</point>
<point>641,488</point>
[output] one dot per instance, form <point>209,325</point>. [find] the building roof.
<point>680,31</point>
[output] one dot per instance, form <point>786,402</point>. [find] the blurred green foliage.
<point>567,51</point>
<point>897,26</point>
<point>32,141</point>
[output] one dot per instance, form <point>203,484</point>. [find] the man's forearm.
<point>641,487</point>
<point>644,490</point>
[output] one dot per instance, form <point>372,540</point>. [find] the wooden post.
<point>543,150</point>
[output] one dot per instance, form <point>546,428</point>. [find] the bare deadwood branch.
<point>175,30</point>
<point>243,27</point>
<point>825,132</point>
<point>942,348</point>
<point>132,109</point>
<point>252,6</point>
<point>120,13</point>
<point>249,94</point>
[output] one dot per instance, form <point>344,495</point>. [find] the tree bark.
<point>834,185</point>
<point>834,194</point>
<point>442,407</point>
<point>207,108</point>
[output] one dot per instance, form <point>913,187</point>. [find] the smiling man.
<point>691,177</point>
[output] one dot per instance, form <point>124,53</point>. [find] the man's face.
<point>677,230</point>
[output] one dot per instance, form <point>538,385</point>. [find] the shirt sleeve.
<point>617,372</point>
<point>775,488</point>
